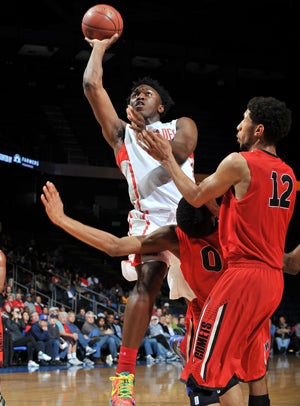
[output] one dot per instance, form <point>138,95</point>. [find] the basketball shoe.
<point>122,389</point>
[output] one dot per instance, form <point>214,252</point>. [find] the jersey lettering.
<point>211,259</point>
<point>282,201</point>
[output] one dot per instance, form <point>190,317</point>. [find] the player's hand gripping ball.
<point>101,21</point>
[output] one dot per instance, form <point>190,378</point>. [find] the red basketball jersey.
<point>274,184</point>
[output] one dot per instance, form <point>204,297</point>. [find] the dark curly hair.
<point>275,116</point>
<point>166,99</point>
<point>194,222</point>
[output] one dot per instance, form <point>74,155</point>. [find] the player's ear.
<point>259,131</point>
<point>161,108</point>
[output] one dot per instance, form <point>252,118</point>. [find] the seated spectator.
<point>93,281</point>
<point>156,331</point>
<point>85,301</point>
<point>18,301</point>
<point>71,338</point>
<point>26,320</point>
<point>29,303</point>
<point>16,326</point>
<point>108,341</point>
<point>34,317</point>
<point>8,303</point>
<point>80,317</point>
<point>165,308</point>
<point>91,332</point>
<point>83,280</point>
<point>166,322</point>
<point>180,328</point>
<point>83,342</point>
<point>296,338</point>
<point>283,335</point>
<point>149,346</point>
<point>39,330</point>
<point>69,296</point>
<point>155,352</point>
<point>39,306</point>
<point>60,349</point>
<point>112,321</point>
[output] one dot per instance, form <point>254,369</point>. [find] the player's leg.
<point>136,321</point>
<point>258,393</point>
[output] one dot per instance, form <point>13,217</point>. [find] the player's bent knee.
<point>233,382</point>
<point>203,397</point>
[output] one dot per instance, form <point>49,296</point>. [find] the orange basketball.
<point>101,21</point>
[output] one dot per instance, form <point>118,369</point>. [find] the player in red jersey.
<point>195,241</point>
<point>258,196</point>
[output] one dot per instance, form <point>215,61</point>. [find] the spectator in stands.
<point>102,293</point>
<point>18,301</point>
<point>60,349</point>
<point>69,296</point>
<point>26,320</point>
<point>83,342</point>
<point>112,321</point>
<point>16,326</point>
<point>156,331</point>
<point>150,347</point>
<point>80,317</point>
<point>163,350</point>
<point>7,291</point>
<point>8,303</point>
<point>296,337</point>
<point>85,301</point>
<point>166,322</point>
<point>46,310</point>
<point>32,292</point>
<point>283,335</point>
<point>90,331</point>
<point>29,303</point>
<point>165,308</point>
<point>180,329</point>
<point>108,341</point>
<point>115,294</point>
<point>71,338</point>
<point>83,281</point>
<point>92,281</point>
<point>38,304</point>
<point>76,283</point>
<point>39,330</point>
<point>34,317</point>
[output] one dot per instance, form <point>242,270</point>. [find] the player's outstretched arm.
<point>99,239</point>
<point>291,261</point>
<point>102,240</point>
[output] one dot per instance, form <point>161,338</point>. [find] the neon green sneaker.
<point>122,390</point>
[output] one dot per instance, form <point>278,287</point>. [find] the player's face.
<point>146,100</point>
<point>246,131</point>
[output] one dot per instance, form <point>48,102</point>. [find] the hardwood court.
<point>156,384</point>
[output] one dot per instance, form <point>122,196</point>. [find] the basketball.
<point>101,21</point>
